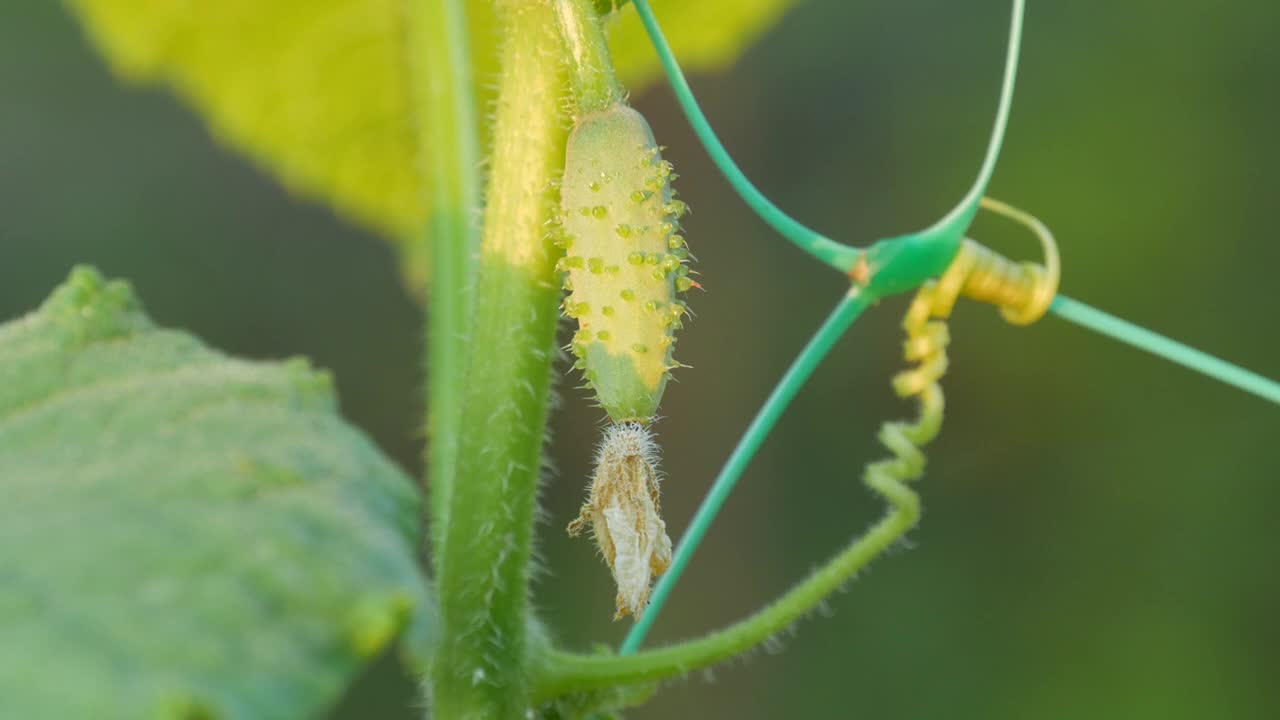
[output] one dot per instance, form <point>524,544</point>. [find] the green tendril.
<point>890,266</point>
<point>1175,352</point>
<point>824,249</point>
<point>844,315</point>
<point>903,263</point>
<point>838,256</point>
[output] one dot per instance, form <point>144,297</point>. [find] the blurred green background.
<point>1099,530</point>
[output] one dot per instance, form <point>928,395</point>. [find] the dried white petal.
<point>624,513</point>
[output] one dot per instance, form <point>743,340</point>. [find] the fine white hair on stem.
<point>624,512</point>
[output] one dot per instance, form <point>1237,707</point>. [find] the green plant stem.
<point>903,263</point>
<point>447,132</point>
<point>591,74</point>
<point>845,313</point>
<point>1171,350</point>
<point>955,221</point>
<point>566,672</point>
<point>830,252</point>
<point>480,667</point>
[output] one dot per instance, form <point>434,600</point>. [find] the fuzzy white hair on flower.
<point>624,513</point>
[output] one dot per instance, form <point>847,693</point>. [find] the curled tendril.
<point>1022,291</point>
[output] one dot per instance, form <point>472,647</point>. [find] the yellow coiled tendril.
<point>1022,291</point>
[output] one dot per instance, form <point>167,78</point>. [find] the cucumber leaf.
<point>183,534</point>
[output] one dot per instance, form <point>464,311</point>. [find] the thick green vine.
<point>479,671</point>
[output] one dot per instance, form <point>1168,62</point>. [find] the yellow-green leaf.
<point>705,34</point>
<point>317,91</point>
<point>324,93</point>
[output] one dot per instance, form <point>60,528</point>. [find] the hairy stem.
<point>447,133</point>
<point>846,312</point>
<point>480,668</point>
<point>563,672</point>
<point>595,85</point>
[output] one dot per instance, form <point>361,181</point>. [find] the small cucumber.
<point>624,260</point>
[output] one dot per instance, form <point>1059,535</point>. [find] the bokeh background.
<point>1100,530</point>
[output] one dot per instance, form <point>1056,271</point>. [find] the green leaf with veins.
<point>183,534</point>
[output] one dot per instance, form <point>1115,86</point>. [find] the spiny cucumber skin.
<point>624,260</point>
